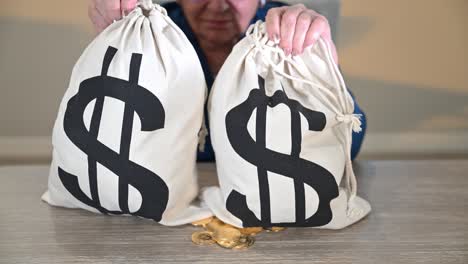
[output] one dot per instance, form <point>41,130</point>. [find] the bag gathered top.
<point>281,128</point>
<point>126,134</point>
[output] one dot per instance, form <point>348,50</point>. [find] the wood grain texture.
<point>420,215</point>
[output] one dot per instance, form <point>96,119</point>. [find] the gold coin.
<point>275,229</point>
<point>245,242</point>
<point>227,243</point>
<point>227,236</point>
<point>251,231</point>
<point>202,222</point>
<point>202,238</point>
<point>214,224</point>
<point>227,233</point>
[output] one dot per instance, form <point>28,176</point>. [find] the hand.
<point>297,28</point>
<point>103,12</point>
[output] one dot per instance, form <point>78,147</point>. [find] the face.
<point>219,22</point>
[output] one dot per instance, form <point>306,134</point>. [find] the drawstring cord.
<point>354,124</point>
<point>342,105</point>
<point>260,39</point>
<point>149,5</point>
<point>146,5</point>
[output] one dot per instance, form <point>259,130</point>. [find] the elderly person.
<point>215,26</point>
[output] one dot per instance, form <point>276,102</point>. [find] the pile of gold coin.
<point>225,235</point>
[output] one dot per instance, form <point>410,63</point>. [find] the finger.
<point>288,25</point>
<point>303,24</point>
<point>111,10</point>
<point>127,6</point>
<point>100,7</point>
<point>98,21</point>
<point>272,21</point>
<point>319,27</point>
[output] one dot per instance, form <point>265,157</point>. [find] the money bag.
<point>281,129</point>
<point>127,130</point>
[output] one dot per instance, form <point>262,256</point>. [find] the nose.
<point>218,5</point>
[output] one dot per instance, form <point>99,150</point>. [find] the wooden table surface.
<point>420,215</point>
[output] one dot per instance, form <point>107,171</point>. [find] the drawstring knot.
<point>149,5</point>
<point>353,119</point>
<point>146,4</point>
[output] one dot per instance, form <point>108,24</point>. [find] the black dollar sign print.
<point>292,166</point>
<point>137,99</point>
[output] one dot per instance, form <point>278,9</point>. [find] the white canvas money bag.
<point>126,134</point>
<point>281,130</point>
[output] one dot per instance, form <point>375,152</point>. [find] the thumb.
<point>127,6</point>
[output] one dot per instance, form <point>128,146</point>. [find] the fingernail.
<point>295,53</point>
<point>287,52</point>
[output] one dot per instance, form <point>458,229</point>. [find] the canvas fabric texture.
<point>126,134</point>
<point>281,128</point>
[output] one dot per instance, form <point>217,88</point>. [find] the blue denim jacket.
<point>176,14</point>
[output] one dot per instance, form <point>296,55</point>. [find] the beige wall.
<point>405,60</point>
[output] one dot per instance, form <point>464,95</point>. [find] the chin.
<point>219,38</point>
